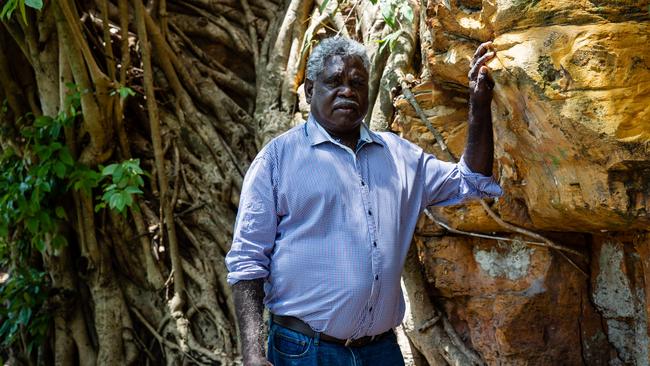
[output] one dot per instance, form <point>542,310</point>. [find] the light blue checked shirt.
<point>329,228</point>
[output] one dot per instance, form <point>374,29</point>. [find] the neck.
<point>347,138</point>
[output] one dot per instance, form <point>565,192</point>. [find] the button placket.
<point>362,161</point>
<point>363,316</point>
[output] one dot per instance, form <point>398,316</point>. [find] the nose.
<point>346,91</point>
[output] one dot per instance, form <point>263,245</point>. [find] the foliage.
<point>24,293</point>
<point>323,5</point>
<point>394,12</point>
<point>124,181</point>
<point>33,182</point>
<point>30,184</point>
<point>11,5</point>
<point>123,91</point>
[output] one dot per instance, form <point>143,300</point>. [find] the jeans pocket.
<point>289,343</point>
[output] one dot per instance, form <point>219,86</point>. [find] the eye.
<point>331,78</point>
<point>333,81</point>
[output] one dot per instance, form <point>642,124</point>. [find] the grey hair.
<point>329,47</point>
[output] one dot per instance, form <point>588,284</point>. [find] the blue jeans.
<point>289,348</point>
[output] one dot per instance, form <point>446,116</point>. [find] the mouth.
<point>346,106</point>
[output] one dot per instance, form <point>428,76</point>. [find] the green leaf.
<point>59,169</point>
<point>60,213</point>
<point>133,190</point>
<point>116,201</point>
<point>39,244</point>
<point>36,4</point>
<point>128,199</point>
<point>99,206</point>
<point>44,152</point>
<point>32,225</point>
<point>25,314</point>
<point>7,10</point>
<point>108,170</point>
<point>55,131</point>
<point>3,330</point>
<point>407,12</point>
<point>21,6</point>
<point>59,241</point>
<point>125,91</point>
<point>133,165</point>
<point>46,220</point>
<point>118,173</point>
<point>388,12</point>
<point>45,186</point>
<point>66,157</point>
<point>14,327</point>
<point>324,5</point>
<point>43,121</point>
<point>123,183</point>
<point>389,40</point>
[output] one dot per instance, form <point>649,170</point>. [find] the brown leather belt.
<point>299,326</point>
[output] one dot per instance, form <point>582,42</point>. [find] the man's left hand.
<point>480,81</point>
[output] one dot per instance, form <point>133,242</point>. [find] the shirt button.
<point>374,243</point>
<point>370,310</point>
<point>363,183</point>
<point>369,212</point>
<point>376,277</point>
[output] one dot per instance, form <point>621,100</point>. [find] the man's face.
<point>339,95</point>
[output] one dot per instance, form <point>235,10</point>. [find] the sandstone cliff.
<point>572,132</point>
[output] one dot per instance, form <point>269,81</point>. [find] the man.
<point>327,213</point>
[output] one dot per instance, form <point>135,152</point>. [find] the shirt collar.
<point>317,134</point>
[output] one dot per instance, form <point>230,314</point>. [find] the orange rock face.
<point>515,304</point>
<point>571,116</point>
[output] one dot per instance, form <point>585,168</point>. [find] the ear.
<point>309,90</point>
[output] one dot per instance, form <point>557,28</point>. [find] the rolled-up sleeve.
<point>255,226</point>
<point>448,183</point>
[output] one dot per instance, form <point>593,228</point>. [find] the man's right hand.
<point>248,296</point>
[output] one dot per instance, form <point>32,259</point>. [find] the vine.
<point>33,184</point>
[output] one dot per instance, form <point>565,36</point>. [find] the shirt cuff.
<point>247,273</point>
<point>483,186</point>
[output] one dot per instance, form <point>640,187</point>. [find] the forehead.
<point>337,64</point>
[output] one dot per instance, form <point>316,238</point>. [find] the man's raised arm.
<point>479,149</point>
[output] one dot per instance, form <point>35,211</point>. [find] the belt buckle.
<point>348,342</point>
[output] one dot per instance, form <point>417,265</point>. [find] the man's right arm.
<point>248,296</point>
<point>249,257</point>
